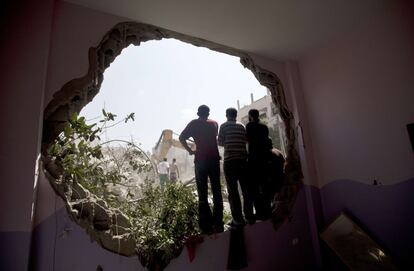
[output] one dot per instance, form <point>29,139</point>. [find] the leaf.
<point>73,118</point>
<point>130,116</point>
<point>111,116</point>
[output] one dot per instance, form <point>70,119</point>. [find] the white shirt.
<point>163,167</point>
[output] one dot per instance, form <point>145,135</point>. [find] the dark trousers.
<point>260,188</point>
<point>236,172</point>
<point>205,170</point>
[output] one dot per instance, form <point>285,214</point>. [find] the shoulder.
<point>251,125</point>
<point>212,121</point>
<point>224,125</point>
<point>261,124</point>
<point>191,124</point>
<point>240,124</point>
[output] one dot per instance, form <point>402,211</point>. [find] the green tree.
<point>122,176</point>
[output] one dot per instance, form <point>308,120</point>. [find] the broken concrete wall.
<point>75,30</point>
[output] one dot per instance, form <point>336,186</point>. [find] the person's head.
<point>253,115</point>
<point>174,160</point>
<point>203,111</point>
<point>165,159</point>
<point>231,113</point>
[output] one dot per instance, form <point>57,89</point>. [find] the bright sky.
<point>164,82</point>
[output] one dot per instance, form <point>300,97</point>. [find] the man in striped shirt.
<point>232,136</point>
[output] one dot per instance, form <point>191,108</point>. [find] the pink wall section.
<point>23,72</point>
<point>358,91</point>
<point>75,30</point>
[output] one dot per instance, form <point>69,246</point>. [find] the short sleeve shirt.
<point>232,136</point>
<point>163,167</point>
<point>204,133</point>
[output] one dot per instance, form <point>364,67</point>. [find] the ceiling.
<point>279,29</point>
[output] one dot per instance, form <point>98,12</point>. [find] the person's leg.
<point>214,174</point>
<point>173,177</point>
<point>262,202</point>
<point>162,181</point>
<point>230,171</point>
<point>253,184</point>
<point>247,191</point>
<point>204,212</point>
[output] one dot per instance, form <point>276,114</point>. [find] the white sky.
<point>164,82</point>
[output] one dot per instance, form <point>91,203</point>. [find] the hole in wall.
<point>78,92</point>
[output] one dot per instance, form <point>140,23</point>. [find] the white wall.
<point>359,96</point>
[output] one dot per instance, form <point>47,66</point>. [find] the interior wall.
<point>25,32</point>
<point>358,94</point>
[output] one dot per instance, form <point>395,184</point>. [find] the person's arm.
<point>178,172</point>
<point>221,137</point>
<point>185,134</point>
<point>268,139</point>
<point>266,131</point>
<point>248,133</point>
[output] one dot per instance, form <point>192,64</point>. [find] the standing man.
<point>232,137</point>
<point>163,169</point>
<point>207,165</point>
<point>174,173</point>
<point>259,149</point>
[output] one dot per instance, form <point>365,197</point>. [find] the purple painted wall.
<point>14,249</point>
<point>385,212</point>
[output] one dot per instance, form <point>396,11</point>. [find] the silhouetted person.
<point>275,174</point>
<point>163,170</point>
<point>259,149</point>
<point>174,172</point>
<point>232,136</point>
<point>207,165</point>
